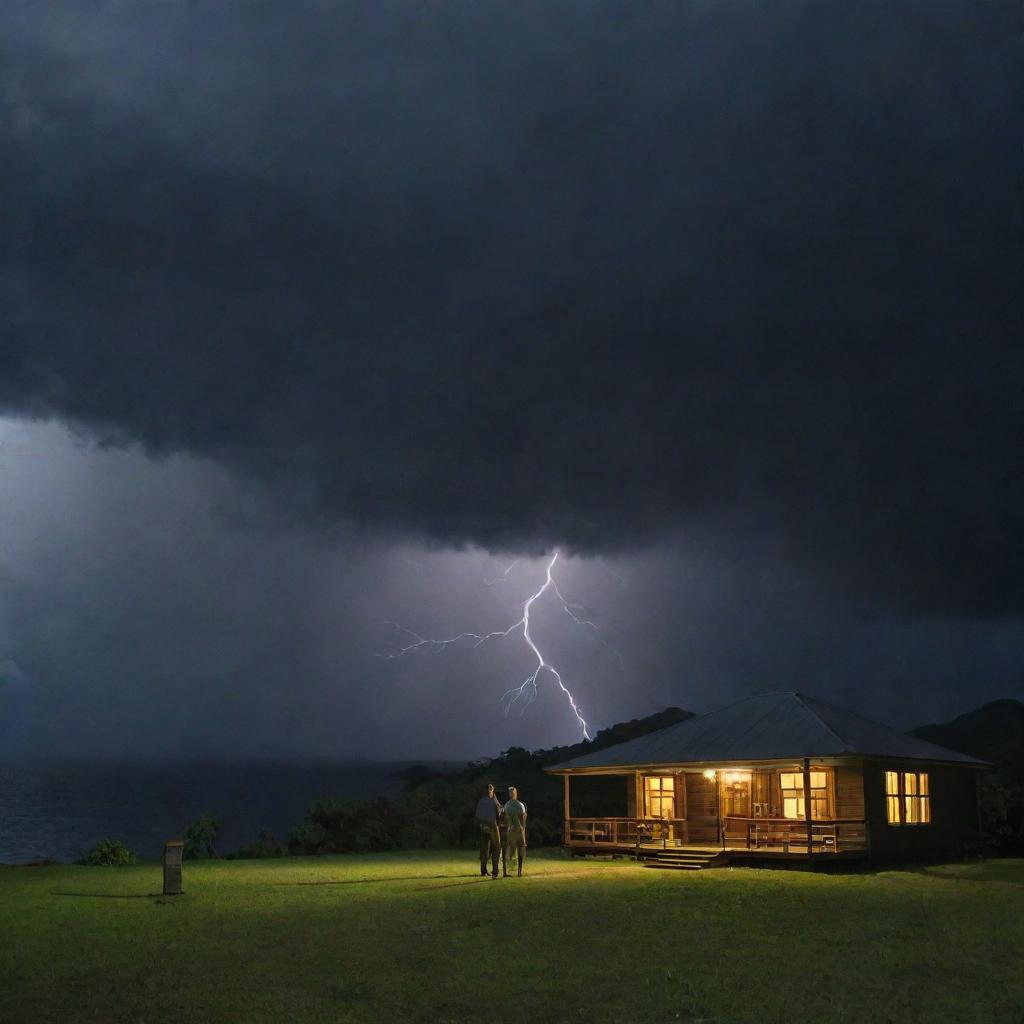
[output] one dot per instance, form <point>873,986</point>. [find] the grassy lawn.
<point>421,937</point>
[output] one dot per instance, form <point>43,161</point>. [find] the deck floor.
<point>765,849</point>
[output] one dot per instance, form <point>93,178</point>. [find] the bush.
<point>307,837</point>
<point>266,845</point>
<point>109,853</point>
<point>348,826</point>
<point>438,810</point>
<point>200,837</point>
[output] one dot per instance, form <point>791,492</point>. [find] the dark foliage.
<point>266,845</point>
<point>436,810</point>
<point>201,836</point>
<point>108,853</point>
<point>995,733</point>
<point>416,775</point>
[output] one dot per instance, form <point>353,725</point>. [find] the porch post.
<point>565,810</point>
<point>718,808</point>
<point>864,804</point>
<point>807,805</point>
<point>977,803</point>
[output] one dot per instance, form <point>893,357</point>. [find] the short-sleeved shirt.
<point>515,811</point>
<point>487,808</point>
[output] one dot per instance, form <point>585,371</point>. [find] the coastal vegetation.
<point>108,853</point>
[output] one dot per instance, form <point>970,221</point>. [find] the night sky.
<point>314,317</point>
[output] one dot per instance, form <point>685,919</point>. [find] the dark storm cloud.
<point>517,275</point>
<point>145,610</point>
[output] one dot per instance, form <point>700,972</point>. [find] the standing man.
<point>487,811</point>
<point>515,815</point>
<point>503,841</point>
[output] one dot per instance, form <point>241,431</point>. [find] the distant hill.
<point>436,807</point>
<point>591,796</point>
<point>619,733</point>
<point>993,732</point>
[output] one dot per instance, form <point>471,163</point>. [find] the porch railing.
<point>785,835</point>
<point>832,836</point>
<point>620,832</point>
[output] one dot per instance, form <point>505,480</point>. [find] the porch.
<point>753,835</point>
<point>768,811</point>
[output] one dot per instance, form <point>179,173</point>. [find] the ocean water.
<point>57,809</point>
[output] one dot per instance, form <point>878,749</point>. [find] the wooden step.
<point>684,856</point>
<point>684,853</point>
<point>681,860</point>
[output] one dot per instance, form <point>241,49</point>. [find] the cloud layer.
<point>593,274</point>
<point>148,609</point>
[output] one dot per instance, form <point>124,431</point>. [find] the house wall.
<point>635,794</point>
<point>701,808</point>
<point>954,813</point>
<point>680,796</point>
<point>848,783</point>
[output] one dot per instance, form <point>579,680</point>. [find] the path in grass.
<point>421,937</point>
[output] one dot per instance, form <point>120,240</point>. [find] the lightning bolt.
<point>524,693</point>
<point>527,690</point>
<point>503,578</point>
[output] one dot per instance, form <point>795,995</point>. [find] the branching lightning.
<point>503,578</point>
<point>521,695</point>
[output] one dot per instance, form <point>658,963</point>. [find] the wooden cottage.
<point>778,777</point>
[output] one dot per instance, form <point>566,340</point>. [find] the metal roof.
<point>768,727</point>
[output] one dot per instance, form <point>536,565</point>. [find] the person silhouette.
<point>515,840</point>
<point>488,811</point>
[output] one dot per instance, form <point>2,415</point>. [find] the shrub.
<point>266,845</point>
<point>200,837</point>
<point>348,826</point>
<point>108,853</point>
<point>307,837</point>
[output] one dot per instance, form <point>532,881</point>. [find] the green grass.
<point>421,937</point>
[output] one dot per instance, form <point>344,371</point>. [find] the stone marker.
<point>173,849</point>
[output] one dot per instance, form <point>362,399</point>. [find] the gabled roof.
<point>771,726</point>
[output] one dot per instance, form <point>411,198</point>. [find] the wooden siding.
<point>681,796</point>
<point>776,790</point>
<point>953,829</point>
<point>701,796</point>
<point>702,808</point>
<point>849,792</point>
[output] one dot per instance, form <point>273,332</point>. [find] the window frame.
<point>666,791</point>
<point>821,796</point>
<point>901,798</point>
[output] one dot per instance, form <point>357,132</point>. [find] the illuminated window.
<point>736,794</point>
<point>892,797</point>
<point>792,784</point>
<point>660,791</point>
<point>907,800</point>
